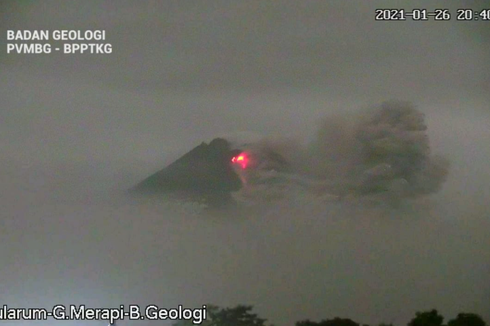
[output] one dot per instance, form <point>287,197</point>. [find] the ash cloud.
<point>382,153</point>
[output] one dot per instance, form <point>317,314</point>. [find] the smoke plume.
<point>381,154</point>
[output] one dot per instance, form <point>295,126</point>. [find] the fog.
<point>76,131</point>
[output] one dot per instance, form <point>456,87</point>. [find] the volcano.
<point>205,174</point>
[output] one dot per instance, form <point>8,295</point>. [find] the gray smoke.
<point>382,153</point>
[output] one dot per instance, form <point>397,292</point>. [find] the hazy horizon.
<point>76,131</point>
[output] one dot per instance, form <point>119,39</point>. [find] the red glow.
<point>240,159</point>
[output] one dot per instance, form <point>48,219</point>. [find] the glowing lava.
<point>241,159</point>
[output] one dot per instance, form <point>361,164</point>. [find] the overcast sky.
<point>186,71</point>
<point>181,70</point>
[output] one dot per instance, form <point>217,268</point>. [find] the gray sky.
<point>74,127</point>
